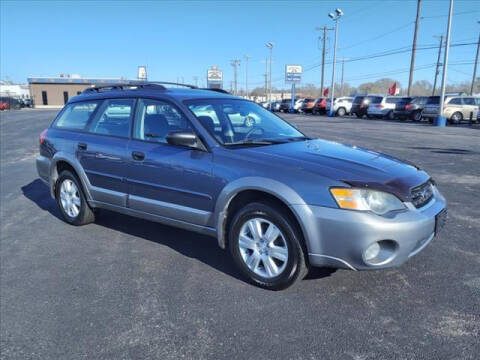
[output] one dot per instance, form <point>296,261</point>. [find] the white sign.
<point>142,73</point>
<point>293,73</point>
<point>214,74</point>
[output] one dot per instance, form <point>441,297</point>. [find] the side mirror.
<point>184,138</point>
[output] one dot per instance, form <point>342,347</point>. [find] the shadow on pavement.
<point>190,244</point>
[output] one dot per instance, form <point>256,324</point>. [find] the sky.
<point>179,40</point>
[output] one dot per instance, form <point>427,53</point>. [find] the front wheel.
<point>266,246</point>
<point>71,200</point>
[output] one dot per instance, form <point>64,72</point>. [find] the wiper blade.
<point>255,142</point>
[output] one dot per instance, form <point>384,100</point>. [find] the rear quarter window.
<point>75,116</point>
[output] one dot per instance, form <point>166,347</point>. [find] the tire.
<point>358,115</point>
<point>456,118</point>
<point>417,116</point>
<point>390,115</point>
<point>341,111</point>
<point>71,200</point>
<point>288,268</point>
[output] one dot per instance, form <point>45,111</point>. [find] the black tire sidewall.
<point>78,220</point>
<point>291,272</point>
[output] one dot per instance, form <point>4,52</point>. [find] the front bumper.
<point>339,238</point>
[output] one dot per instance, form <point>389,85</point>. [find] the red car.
<point>4,105</point>
<point>320,106</point>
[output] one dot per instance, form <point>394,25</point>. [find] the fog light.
<point>372,252</point>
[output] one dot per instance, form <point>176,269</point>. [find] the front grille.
<point>422,194</point>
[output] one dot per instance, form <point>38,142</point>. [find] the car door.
<point>102,150</point>
<point>163,179</point>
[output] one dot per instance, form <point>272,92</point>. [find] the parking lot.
<point>125,288</point>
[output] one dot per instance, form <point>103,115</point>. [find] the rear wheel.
<point>417,116</point>
<point>456,117</point>
<point>358,115</point>
<point>390,115</point>
<point>266,246</point>
<point>71,200</point>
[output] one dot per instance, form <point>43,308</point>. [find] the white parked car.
<point>383,106</point>
<point>341,105</point>
<point>298,105</point>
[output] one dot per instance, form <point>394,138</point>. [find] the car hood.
<point>353,165</point>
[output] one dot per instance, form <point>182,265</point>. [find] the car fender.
<point>270,186</point>
<point>72,161</point>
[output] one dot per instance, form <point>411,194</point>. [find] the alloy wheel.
<point>263,247</point>
<point>70,198</point>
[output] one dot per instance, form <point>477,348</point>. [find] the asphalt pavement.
<point>125,288</point>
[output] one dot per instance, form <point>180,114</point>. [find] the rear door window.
<point>113,118</point>
<point>75,116</point>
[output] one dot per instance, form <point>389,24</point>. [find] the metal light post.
<point>270,46</point>
<point>246,74</point>
<point>475,66</point>
<point>335,17</point>
<point>441,120</point>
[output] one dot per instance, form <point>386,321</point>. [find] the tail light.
<point>380,106</point>
<point>42,136</point>
<point>408,107</point>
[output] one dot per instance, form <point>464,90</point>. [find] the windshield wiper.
<point>255,142</point>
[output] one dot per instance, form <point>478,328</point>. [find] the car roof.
<point>179,94</point>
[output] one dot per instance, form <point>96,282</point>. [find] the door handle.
<point>137,155</point>
<point>82,146</point>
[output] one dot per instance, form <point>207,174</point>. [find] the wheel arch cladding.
<point>251,189</point>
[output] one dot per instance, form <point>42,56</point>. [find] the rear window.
<point>455,101</point>
<point>375,99</point>
<point>75,116</point>
<point>358,99</point>
<point>433,100</point>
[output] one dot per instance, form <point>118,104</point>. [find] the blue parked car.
<point>210,162</point>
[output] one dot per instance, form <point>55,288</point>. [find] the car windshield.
<point>240,122</point>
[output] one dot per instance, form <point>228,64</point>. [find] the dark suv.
<point>360,105</point>
<point>213,163</point>
<point>410,108</point>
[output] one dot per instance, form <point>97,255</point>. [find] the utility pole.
<point>475,66</point>
<point>235,63</point>
<point>324,38</point>
<point>441,119</point>
<point>414,47</point>
<point>246,74</point>
<point>195,78</point>
<point>438,64</point>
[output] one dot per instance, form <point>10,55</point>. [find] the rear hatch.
<point>432,105</point>
<point>402,103</point>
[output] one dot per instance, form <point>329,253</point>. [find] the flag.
<point>325,92</point>
<point>393,90</point>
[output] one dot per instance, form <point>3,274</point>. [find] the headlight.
<point>362,199</point>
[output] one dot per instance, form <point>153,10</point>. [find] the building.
<point>19,91</point>
<point>54,92</point>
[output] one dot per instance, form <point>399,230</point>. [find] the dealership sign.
<point>293,73</point>
<point>214,74</point>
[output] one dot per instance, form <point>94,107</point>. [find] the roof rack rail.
<point>217,90</point>
<point>124,86</point>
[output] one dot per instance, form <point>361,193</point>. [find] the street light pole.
<point>270,46</point>
<point>440,120</point>
<point>335,18</point>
